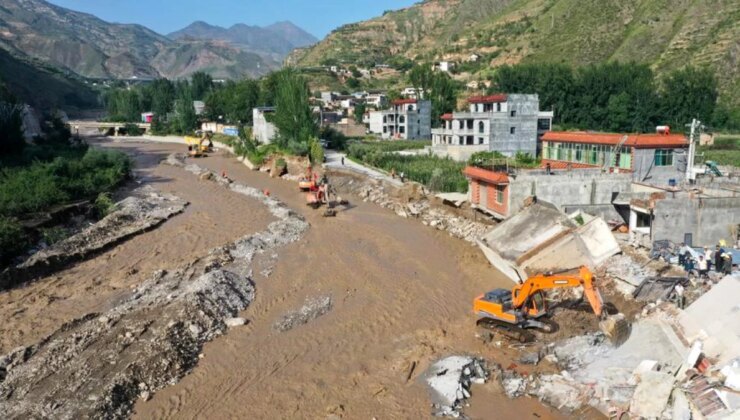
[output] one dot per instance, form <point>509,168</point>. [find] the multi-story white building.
<point>408,119</point>
<point>263,130</point>
<point>504,123</point>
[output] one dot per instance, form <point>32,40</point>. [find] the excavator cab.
<point>536,306</point>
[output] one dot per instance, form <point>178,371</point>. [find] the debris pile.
<point>312,309</point>
<point>418,206</point>
<point>98,365</point>
<point>450,380</point>
<point>145,209</point>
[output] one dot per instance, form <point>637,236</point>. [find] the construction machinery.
<point>309,181</point>
<point>322,192</point>
<point>199,145</point>
<point>517,311</point>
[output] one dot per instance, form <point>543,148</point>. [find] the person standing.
<point>702,266</point>
<point>342,160</point>
<point>708,257</point>
<point>679,296</point>
<point>718,261</point>
<point>727,263</point>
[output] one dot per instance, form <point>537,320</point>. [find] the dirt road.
<point>401,293</point>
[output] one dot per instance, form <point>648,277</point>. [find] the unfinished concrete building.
<point>408,119</point>
<point>503,123</point>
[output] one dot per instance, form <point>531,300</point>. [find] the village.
<point>392,209</point>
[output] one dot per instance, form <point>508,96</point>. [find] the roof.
<point>559,164</point>
<point>404,101</point>
<point>447,116</point>
<point>486,175</point>
<point>645,141</point>
<point>499,97</point>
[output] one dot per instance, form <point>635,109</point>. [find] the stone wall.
<point>707,219</point>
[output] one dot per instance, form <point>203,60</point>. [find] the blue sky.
<point>318,17</point>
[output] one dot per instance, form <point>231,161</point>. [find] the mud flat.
<point>97,365</point>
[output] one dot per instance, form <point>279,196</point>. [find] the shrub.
<point>133,130</point>
<point>12,239</point>
<point>54,234</point>
<point>103,205</point>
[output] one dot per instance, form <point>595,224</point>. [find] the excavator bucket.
<point>616,328</point>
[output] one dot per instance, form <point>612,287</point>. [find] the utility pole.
<point>696,128</point>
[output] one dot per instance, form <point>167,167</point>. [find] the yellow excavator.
<point>199,145</point>
<point>514,312</point>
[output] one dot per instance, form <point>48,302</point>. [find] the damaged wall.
<point>707,219</point>
<point>571,189</point>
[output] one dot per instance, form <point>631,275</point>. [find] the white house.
<point>504,123</point>
<point>408,119</point>
<point>263,130</point>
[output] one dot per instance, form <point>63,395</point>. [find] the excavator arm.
<point>522,293</point>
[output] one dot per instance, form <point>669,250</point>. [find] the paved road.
<point>334,160</point>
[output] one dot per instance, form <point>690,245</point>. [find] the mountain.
<point>93,48</point>
<point>274,41</point>
<point>666,34</point>
<point>43,87</point>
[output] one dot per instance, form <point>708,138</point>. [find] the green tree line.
<point>615,96</point>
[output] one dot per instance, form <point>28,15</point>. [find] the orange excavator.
<point>514,312</point>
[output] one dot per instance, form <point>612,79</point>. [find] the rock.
<point>146,396</point>
<point>530,358</point>
<point>311,310</point>
<point>450,380</point>
<point>195,330</point>
<point>235,322</point>
<point>651,395</point>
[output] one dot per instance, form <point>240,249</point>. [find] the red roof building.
<point>642,154</point>
<point>489,190</point>
<point>490,99</point>
<point>404,101</point>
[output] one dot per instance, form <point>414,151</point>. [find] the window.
<point>512,130</point>
<point>402,119</point>
<point>500,193</point>
<point>385,129</point>
<point>469,140</point>
<point>543,124</point>
<point>498,107</point>
<point>481,127</point>
<point>401,129</point>
<point>513,113</point>
<point>663,157</point>
<point>385,119</point>
<point>480,140</point>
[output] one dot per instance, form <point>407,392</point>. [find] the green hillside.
<point>663,33</point>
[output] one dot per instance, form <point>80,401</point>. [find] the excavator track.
<point>511,331</point>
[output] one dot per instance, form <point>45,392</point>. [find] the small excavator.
<point>200,145</point>
<point>514,312</point>
<point>321,192</point>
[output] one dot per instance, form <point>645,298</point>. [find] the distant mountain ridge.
<point>93,48</point>
<point>278,39</point>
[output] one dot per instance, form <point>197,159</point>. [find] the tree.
<point>443,95</point>
<point>200,83</point>
<point>421,78</point>
<point>162,94</point>
<point>686,94</point>
<point>353,83</point>
<point>11,123</point>
<point>186,120</point>
<point>293,118</point>
<point>360,112</point>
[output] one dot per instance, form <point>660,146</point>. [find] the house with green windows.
<point>648,157</point>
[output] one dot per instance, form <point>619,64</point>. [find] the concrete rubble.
<point>542,238</point>
<point>98,365</point>
<point>450,380</point>
<point>145,209</point>
<point>416,205</point>
<point>312,309</point>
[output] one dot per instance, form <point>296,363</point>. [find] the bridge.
<point>76,126</point>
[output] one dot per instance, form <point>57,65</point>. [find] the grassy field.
<point>724,151</point>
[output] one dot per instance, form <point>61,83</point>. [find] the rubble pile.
<point>417,207</point>
<point>628,273</point>
<point>450,380</point>
<point>145,209</point>
<point>98,365</point>
<point>313,309</point>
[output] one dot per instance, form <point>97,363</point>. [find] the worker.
<point>726,263</point>
<point>680,301</point>
<point>708,257</point>
<point>718,259</point>
<point>342,160</point>
<point>402,176</point>
<point>702,266</point>
<point>393,173</point>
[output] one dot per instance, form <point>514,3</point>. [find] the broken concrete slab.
<point>450,380</point>
<point>681,409</point>
<point>145,209</point>
<point>560,392</point>
<point>652,394</point>
<point>542,238</point>
<point>235,322</point>
<point>714,318</point>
